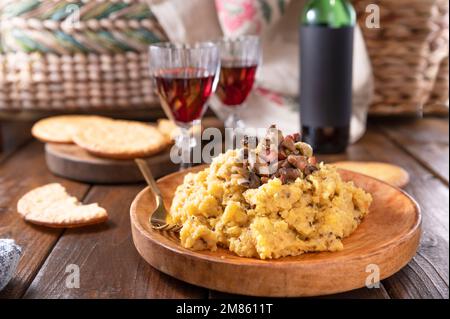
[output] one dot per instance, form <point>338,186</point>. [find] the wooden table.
<point>110,266</point>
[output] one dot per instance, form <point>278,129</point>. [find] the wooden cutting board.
<point>386,240</point>
<point>73,162</point>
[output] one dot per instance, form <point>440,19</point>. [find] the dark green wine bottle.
<point>326,56</point>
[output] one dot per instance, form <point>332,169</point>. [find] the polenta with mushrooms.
<point>270,201</point>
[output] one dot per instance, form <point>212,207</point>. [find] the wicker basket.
<point>76,55</point>
<point>409,53</point>
<point>47,62</point>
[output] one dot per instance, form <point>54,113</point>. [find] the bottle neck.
<point>330,13</point>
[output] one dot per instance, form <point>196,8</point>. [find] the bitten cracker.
<point>121,140</point>
<point>61,129</point>
<point>388,173</point>
<point>50,205</point>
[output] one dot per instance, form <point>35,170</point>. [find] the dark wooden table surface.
<point>110,266</point>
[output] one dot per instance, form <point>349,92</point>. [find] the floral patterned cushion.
<point>238,17</point>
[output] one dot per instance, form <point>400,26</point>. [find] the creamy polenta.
<point>271,221</point>
<point>278,216</point>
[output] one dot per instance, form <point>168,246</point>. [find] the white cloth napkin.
<point>187,21</point>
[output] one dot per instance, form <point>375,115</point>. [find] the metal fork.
<point>158,217</point>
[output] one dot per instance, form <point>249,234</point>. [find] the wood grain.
<point>388,237</point>
<point>431,262</point>
<point>19,174</point>
<point>426,276</point>
<point>109,265</point>
<point>426,140</point>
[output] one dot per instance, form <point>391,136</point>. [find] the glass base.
<point>234,121</point>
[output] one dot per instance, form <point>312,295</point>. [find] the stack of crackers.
<point>50,205</point>
<point>106,137</point>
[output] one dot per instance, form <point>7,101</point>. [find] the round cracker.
<point>121,139</point>
<point>62,128</point>
<point>168,128</point>
<point>389,173</point>
<point>50,205</point>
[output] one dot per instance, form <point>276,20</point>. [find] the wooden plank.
<point>427,275</point>
<point>425,130</point>
<point>426,140</point>
<point>19,174</point>
<point>13,135</point>
<point>363,293</point>
<point>110,266</point>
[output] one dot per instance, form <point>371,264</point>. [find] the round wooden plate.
<point>388,238</point>
<point>73,162</point>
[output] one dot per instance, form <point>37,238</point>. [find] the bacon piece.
<point>298,161</point>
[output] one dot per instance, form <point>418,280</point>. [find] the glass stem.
<point>234,120</point>
<point>186,143</point>
<point>232,124</point>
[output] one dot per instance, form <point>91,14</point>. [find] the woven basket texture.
<point>92,54</point>
<point>76,55</point>
<point>409,54</point>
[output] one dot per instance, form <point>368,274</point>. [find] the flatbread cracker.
<point>61,129</point>
<point>50,205</point>
<point>388,173</point>
<point>121,139</point>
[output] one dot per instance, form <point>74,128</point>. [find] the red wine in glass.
<point>184,92</point>
<point>235,82</point>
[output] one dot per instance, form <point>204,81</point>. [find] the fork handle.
<point>147,173</point>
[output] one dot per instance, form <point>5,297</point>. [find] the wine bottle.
<point>326,55</point>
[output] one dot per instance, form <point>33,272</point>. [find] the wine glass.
<point>239,60</point>
<point>186,75</point>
